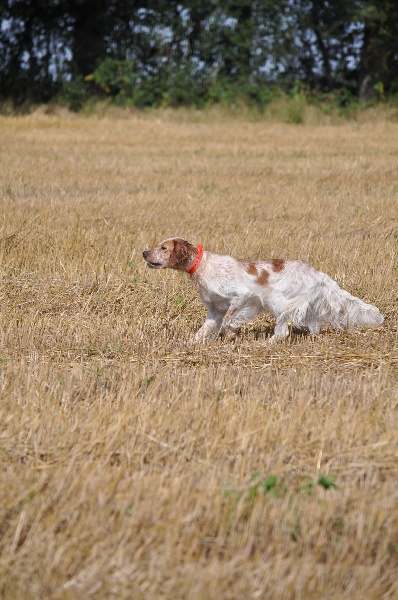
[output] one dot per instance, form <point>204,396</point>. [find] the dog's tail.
<point>329,305</point>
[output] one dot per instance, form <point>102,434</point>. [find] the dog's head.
<point>173,253</point>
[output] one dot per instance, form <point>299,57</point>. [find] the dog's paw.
<point>275,339</point>
<point>196,340</point>
<point>229,335</point>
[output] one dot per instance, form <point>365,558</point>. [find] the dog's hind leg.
<point>314,327</point>
<point>281,330</point>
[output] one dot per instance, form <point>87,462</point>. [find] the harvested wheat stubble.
<point>135,467</point>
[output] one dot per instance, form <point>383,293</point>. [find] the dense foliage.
<point>192,52</point>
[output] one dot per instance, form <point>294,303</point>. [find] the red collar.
<point>197,260</point>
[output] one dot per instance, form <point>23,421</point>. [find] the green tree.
<point>379,51</point>
<point>32,36</point>
<point>189,51</point>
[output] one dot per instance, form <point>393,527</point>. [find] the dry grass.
<point>133,467</point>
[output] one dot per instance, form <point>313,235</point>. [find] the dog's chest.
<point>221,291</point>
<point>220,302</point>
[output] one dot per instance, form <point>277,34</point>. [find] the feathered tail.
<point>326,304</point>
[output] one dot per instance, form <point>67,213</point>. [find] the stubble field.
<point>133,466</point>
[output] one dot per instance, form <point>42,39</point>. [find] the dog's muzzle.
<point>152,265</point>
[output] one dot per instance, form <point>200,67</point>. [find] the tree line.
<point>190,52</point>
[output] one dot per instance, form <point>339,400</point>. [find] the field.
<point>135,466</point>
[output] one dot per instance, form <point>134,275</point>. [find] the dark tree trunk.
<point>371,66</point>
<point>89,31</point>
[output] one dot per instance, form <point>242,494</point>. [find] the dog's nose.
<point>145,253</point>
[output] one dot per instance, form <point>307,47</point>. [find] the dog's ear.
<point>181,249</point>
<point>182,254</point>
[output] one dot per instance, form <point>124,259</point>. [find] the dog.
<point>235,291</point>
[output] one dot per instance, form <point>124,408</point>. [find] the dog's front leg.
<point>208,328</point>
<point>233,318</point>
<point>211,326</point>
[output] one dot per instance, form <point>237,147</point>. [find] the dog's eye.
<point>163,248</point>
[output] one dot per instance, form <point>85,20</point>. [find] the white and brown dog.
<point>235,291</point>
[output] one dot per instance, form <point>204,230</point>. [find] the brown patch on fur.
<point>251,269</point>
<point>262,279</point>
<point>278,264</point>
